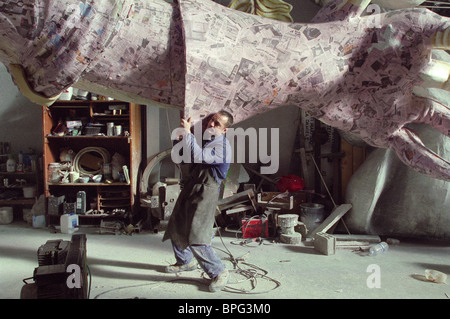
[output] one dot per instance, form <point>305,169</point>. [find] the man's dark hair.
<point>229,117</point>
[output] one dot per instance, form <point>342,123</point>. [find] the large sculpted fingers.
<point>441,39</point>
<point>435,112</point>
<point>411,151</point>
<point>436,75</point>
<point>432,96</point>
<point>439,118</point>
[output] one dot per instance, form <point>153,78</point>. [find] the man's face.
<point>216,125</point>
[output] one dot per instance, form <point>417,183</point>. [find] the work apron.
<point>192,219</point>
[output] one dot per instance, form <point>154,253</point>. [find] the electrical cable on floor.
<point>154,284</point>
<point>250,274</point>
<point>126,287</point>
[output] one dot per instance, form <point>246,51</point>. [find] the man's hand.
<point>186,124</point>
<point>185,127</point>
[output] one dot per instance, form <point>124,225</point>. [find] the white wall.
<point>20,119</point>
<point>285,120</point>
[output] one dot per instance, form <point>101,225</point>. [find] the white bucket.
<point>68,223</point>
<point>29,191</point>
<point>6,215</point>
<point>312,215</point>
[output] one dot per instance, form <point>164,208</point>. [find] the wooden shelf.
<point>111,116</point>
<point>128,115</point>
<point>87,137</point>
<point>17,201</point>
<point>30,178</point>
<point>18,173</point>
<point>87,216</point>
<point>97,216</point>
<point>88,184</point>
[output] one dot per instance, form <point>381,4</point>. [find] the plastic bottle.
<point>11,164</point>
<point>378,249</point>
<point>69,223</point>
<point>20,164</point>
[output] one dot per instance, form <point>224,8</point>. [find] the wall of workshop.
<point>161,122</point>
<point>20,119</point>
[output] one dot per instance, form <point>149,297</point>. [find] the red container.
<point>255,227</point>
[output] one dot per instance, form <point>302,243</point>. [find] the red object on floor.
<point>255,227</point>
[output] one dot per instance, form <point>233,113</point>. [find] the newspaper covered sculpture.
<point>364,75</point>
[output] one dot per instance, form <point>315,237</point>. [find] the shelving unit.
<point>80,127</point>
<point>30,178</point>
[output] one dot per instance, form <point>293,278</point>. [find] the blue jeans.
<point>206,256</point>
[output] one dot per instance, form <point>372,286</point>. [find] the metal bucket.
<point>312,215</point>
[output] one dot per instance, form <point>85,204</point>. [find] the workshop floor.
<point>132,267</point>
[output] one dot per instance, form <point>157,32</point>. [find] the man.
<point>191,224</point>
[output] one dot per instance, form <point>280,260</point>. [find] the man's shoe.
<point>220,281</point>
<point>179,268</point>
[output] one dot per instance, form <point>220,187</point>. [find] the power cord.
<point>251,273</point>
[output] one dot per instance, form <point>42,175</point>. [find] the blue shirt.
<point>216,153</point>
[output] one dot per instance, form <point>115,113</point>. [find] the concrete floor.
<point>132,266</point>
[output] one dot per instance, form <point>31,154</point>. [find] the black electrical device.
<point>62,272</point>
